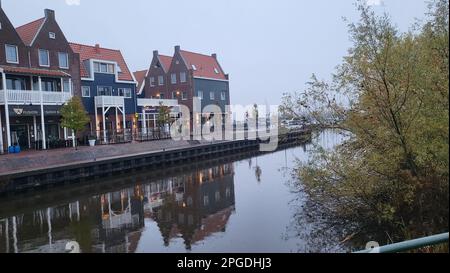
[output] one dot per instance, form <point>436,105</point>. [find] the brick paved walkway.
<point>33,160</point>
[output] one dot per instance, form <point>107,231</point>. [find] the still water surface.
<point>241,206</point>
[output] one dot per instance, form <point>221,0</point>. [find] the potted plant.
<point>92,139</point>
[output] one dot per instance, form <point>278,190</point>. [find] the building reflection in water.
<point>191,206</point>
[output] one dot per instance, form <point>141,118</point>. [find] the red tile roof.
<point>206,66</point>
<point>140,78</point>
<point>166,61</point>
<point>98,53</point>
<point>35,71</point>
<point>28,31</point>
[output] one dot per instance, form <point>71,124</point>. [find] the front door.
<point>19,136</point>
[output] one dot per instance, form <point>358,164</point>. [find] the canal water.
<point>245,205</point>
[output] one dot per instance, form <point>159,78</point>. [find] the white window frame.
<point>212,95</point>
<point>48,57</point>
<point>184,95</point>
<point>160,80</point>
<point>84,88</point>
<point>223,95</point>
<point>17,54</point>
<point>108,66</point>
<point>182,77</point>
<point>52,35</point>
<point>104,86</point>
<point>67,60</point>
<point>173,78</point>
<point>126,92</point>
<point>200,94</point>
<point>152,82</point>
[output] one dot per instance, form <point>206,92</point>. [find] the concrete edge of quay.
<point>82,171</point>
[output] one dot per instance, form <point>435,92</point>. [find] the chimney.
<point>155,53</point>
<point>49,14</point>
<point>97,48</point>
<point>214,55</point>
<point>177,48</point>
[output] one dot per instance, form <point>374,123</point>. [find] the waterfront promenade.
<point>36,160</point>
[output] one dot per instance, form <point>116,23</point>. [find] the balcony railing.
<point>34,97</point>
<point>156,102</point>
<point>109,101</point>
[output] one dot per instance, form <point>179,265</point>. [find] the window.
<point>103,68</point>
<point>160,80</point>
<point>223,95</point>
<point>184,95</point>
<point>15,84</point>
<point>161,96</point>
<point>194,67</point>
<point>52,35</point>
<point>211,95</point>
<point>12,54</point>
<point>183,77</point>
<point>49,85</point>
<point>0,26</point>
<point>152,81</point>
<point>174,95</point>
<point>44,59</point>
<point>216,70</point>
<point>125,92</point>
<point>63,60</point>
<point>217,196</point>
<point>104,91</point>
<point>86,91</point>
<point>66,85</point>
<point>173,78</point>
<point>200,94</point>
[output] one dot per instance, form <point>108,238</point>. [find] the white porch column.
<point>1,135</point>
<point>124,118</point>
<point>144,121</point>
<point>117,120</point>
<point>8,129</point>
<point>70,86</point>
<point>35,128</point>
<point>74,138</point>
<point>104,123</point>
<point>44,144</point>
<point>96,119</point>
<point>154,121</point>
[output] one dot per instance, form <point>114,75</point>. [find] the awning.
<point>34,71</point>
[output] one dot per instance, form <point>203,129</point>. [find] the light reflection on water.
<point>242,206</point>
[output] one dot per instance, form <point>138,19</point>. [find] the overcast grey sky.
<point>267,46</point>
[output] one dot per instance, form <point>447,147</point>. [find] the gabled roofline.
<point>39,31</point>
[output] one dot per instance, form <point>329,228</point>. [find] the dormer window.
<point>194,67</point>
<point>103,68</point>
<point>52,35</point>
